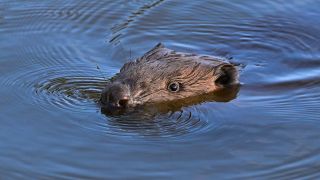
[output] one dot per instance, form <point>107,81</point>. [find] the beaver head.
<point>163,75</point>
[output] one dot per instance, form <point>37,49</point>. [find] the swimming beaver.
<point>163,75</point>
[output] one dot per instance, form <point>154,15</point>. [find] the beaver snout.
<point>115,96</point>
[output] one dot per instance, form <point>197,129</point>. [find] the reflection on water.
<point>168,119</point>
<point>56,57</point>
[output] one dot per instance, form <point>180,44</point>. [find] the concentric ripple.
<point>49,87</point>
<point>72,93</point>
<point>150,123</point>
<point>178,119</point>
<point>81,17</point>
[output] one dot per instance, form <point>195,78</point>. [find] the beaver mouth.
<point>120,104</point>
<point>122,107</point>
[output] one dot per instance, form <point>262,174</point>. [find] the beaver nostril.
<point>123,102</point>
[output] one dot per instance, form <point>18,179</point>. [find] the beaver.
<point>164,75</point>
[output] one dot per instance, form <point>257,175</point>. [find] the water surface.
<point>55,57</point>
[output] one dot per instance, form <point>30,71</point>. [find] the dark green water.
<point>52,128</point>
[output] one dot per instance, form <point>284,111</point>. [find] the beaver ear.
<point>159,45</point>
<point>155,49</point>
<point>155,53</point>
<point>225,74</point>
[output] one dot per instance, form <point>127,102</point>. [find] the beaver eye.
<point>174,87</point>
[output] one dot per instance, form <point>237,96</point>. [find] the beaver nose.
<point>118,101</point>
<point>116,95</point>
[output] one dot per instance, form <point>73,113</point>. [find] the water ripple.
<point>81,17</point>
<point>65,88</point>
<point>117,28</point>
<point>176,125</point>
<point>48,59</point>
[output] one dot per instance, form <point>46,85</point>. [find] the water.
<point>56,56</point>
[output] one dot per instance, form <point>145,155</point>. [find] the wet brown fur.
<point>146,79</point>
